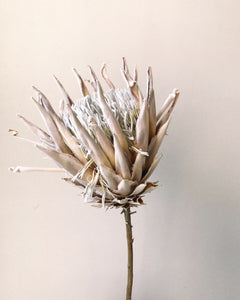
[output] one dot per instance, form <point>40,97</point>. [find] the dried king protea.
<point>107,143</point>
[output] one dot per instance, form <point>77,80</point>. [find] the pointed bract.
<point>67,97</point>
<point>121,161</point>
<point>151,105</point>
<point>106,78</point>
<point>53,130</point>
<point>70,163</point>
<point>155,144</point>
<point>83,88</point>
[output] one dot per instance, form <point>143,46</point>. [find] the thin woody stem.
<point>127,215</point>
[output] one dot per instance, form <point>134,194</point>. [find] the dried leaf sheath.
<point>106,141</point>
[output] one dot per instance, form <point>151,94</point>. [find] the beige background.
<point>187,238</point>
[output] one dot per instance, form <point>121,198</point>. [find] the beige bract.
<point>106,142</point>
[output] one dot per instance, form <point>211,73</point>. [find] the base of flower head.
<point>101,196</point>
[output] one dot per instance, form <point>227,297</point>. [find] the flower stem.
<point>127,215</point>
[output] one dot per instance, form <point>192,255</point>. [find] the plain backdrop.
<point>187,237</point>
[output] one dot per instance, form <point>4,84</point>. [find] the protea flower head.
<point>106,142</point>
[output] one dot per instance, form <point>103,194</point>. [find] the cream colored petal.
<point>151,105</point>
<point>165,118</point>
<point>156,144</point>
<point>68,162</point>
<point>141,141</point>
<point>36,130</point>
<point>61,108</point>
<point>70,140</point>
<point>139,189</point>
<point>106,78</point>
<point>151,144</point>
<point>142,128</point>
<point>43,100</point>
<point>121,161</point>
<point>152,167</point>
<point>105,143</point>
<point>52,128</point>
<point>125,187</point>
<point>169,103</point>
<point>138,167</point>
<point>166,104</point>
<point>150,187</point>
<point>67,97</point>
<point>83,88</point>
<point>111,178</point>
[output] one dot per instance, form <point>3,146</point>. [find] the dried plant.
<point>107,143</point>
